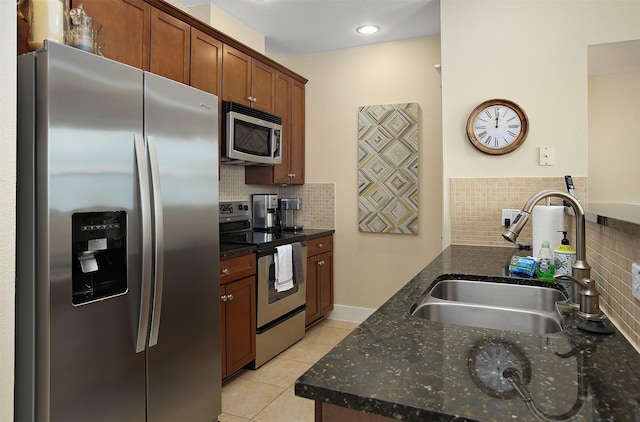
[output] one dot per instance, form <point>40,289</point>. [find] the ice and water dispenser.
<point>99,246</point>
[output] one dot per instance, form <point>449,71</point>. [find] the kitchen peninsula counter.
<point>406,368</point>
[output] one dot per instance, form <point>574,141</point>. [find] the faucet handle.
<point>589,295</point>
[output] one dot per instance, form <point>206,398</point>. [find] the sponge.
<point>523,265</point>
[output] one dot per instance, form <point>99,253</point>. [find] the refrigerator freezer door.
<point>181,125</point>
<point>88,110</point>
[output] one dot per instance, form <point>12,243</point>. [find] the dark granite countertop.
<point>315,233</point>
<point>407,368</point>
<point>229,250</point>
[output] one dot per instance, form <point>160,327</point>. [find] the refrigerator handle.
<point>159,242</point>
<point>145,201</point>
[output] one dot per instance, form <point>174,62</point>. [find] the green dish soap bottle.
<point>546,263</point>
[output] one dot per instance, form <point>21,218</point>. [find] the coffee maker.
<point>288,209</point>
<point>265,212</point>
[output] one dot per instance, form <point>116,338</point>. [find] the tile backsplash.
<point>318,199</point>
<point>476,205</point>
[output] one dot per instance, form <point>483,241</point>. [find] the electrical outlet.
<point>508,214</point>
<point>635,280</point>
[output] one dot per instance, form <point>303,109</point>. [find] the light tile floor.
<point>267,394</point>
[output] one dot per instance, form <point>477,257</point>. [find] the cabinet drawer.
<point>319,245</point>
<point>237,267</point>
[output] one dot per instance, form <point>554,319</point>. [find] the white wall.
<point>369,268</point>
<point>227,24</point>
<point>614,140</point>
<point>534,53</point>
<point>7,203</point>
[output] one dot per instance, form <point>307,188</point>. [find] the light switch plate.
<point>546,156</point>
<point>635,280</point>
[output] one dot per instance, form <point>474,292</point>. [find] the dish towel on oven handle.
<point>284,268</point>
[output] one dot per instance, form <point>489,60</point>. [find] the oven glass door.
<point>274,295</point>
<point>272,304</point>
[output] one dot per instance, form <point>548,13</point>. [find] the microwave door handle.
<point>276,153</point>
<point>159,241</point>
<point>142,173</point>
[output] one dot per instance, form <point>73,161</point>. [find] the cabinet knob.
<point>224,298</point>
<point>320,245</point>
<point>230,296</point>
<point>225,271</point>
<point>320,262</point>
<point>252,99</point>
<point>292,175</point>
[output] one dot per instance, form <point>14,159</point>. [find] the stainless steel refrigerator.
<point>116,294</point>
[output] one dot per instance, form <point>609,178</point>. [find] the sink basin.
<point>490,304</point>
<point>498,294</point>
<point>489,317</point>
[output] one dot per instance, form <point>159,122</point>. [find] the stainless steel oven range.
<point>280,314</point>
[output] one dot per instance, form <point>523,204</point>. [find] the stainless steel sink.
<point>498,294</point>
<point>490,304</point>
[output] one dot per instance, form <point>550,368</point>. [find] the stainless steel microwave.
<point>250,136</point>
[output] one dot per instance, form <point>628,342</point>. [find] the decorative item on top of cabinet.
<point>289,105</point>
<point>135,33</point>
<point>319,278</point>
<point>237,312</point>
<point>247,81</point>
<point>125,33</point>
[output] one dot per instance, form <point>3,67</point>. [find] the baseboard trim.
<point>350,313</point>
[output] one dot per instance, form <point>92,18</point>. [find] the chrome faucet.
<point>585,293</point>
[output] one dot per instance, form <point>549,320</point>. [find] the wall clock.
<point>487,361</point>
<point>497,126</point>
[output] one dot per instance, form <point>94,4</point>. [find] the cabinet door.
<point>297,134</point>
<point>238,267</point>
<point>125,33</point>
<point>263,86</point>
<point>283,109</point>
<point>313,311</point>
<point>289,105</point>
<point>241,323</point>
<point>236,75</point>
<point>206,62</point>
<point>325,265</point>
<point>170,46</point>
<point>223,331</point>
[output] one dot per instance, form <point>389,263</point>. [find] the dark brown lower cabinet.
<point>237,313</point>
<point>319,278</point>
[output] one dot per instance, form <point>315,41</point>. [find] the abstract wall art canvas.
<point>388,168</point>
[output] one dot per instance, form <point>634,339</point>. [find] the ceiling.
<point>299,27</point>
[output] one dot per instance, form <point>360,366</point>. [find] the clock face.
<point>497,127</point>
<point>487,362</point>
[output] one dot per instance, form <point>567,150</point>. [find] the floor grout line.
<point>318,327</point>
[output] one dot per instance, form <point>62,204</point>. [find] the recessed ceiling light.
<point>368,29</point>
